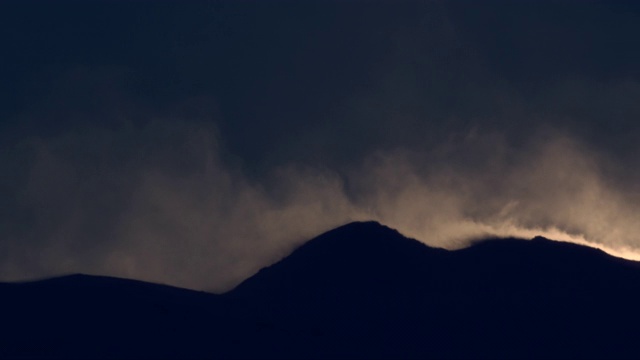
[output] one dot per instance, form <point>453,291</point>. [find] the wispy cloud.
<point>157,202</point>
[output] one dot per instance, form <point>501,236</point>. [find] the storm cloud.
<point>196,152</point>
<point>158,203</point>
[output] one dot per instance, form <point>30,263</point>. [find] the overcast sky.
<point>193,142</point>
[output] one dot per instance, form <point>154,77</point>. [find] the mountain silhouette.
<point>362,290</point>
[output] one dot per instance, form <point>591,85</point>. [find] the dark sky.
<point>193,142</point>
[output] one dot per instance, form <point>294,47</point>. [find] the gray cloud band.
<point>157,202</point>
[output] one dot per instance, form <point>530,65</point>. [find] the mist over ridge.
<point>177,213</point>
<point>192,144</point>
<point>359,290</point>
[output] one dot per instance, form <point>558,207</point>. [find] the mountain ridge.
<point>341,233</point>
<point>362,290</point>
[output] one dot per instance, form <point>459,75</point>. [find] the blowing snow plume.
<point>192,144</point>
<point>158,203</point>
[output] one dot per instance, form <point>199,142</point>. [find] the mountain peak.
<point>357,254</point>
<point>359,230</point>
<point>359,240</point>
<point>540,238</point>
<point>362,226</point>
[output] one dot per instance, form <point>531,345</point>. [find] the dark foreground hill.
<point>359,291</point>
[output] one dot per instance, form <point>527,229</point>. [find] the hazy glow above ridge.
<point>182,216</point>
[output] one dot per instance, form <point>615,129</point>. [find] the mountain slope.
<point>359,291</point>
<point>361,256</point>
<point>367,256</point>
<point>81,316</point>
<point>379,294</point>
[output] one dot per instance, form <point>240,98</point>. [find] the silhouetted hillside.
<point>359,291</point>
<point>82,316</point>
